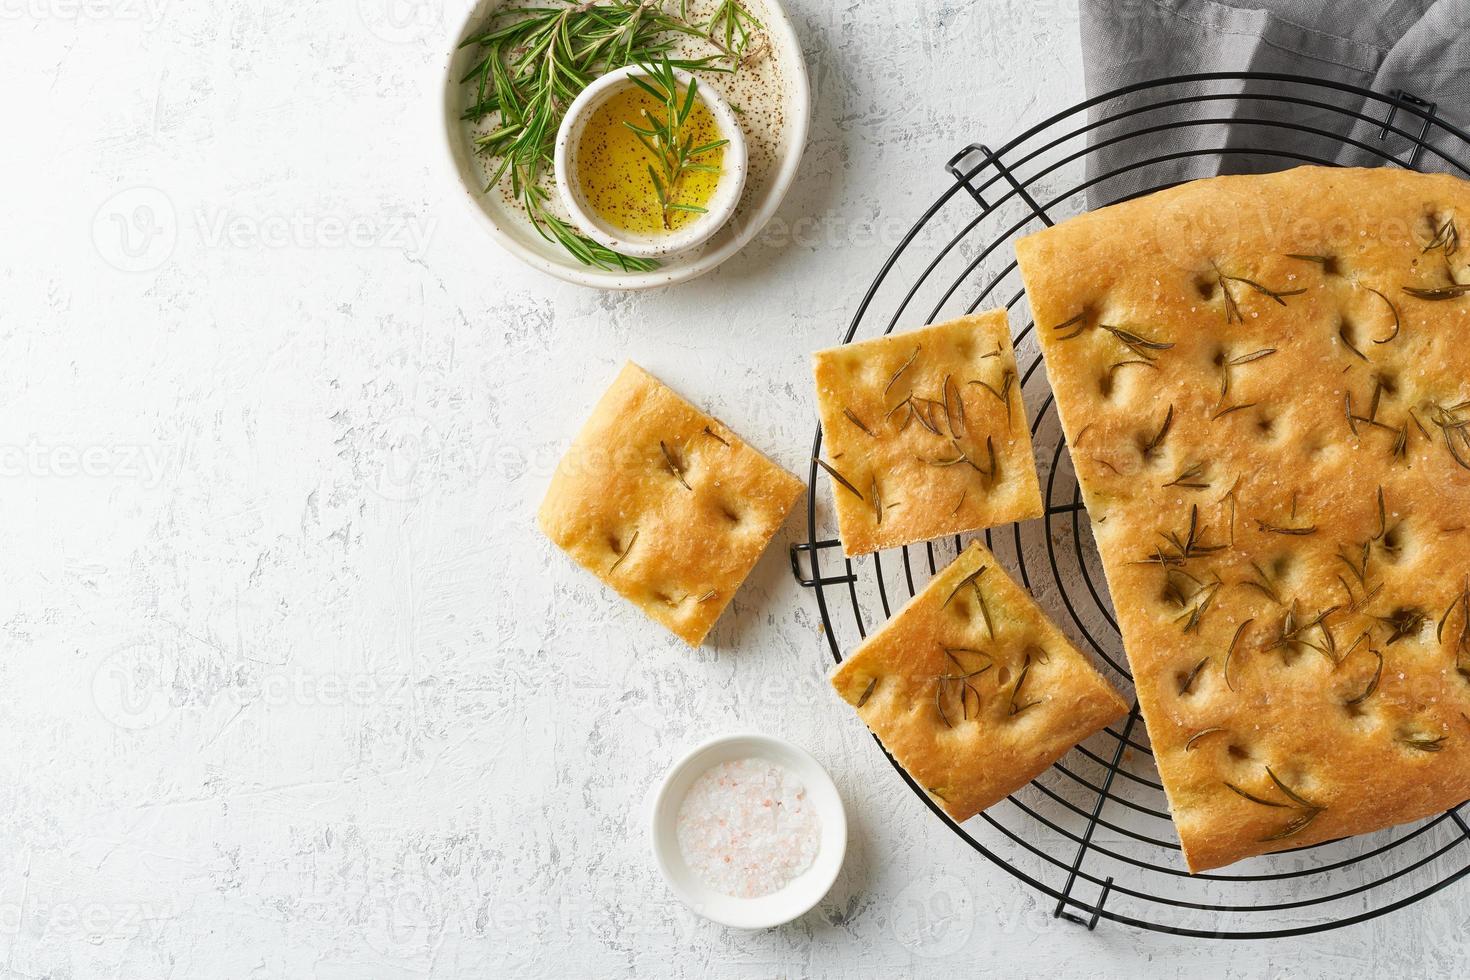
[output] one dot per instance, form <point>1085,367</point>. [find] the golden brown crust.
<point>974,715</point>
<point>1295,288</point>
<point>665,504</point>
<point>930,430</point>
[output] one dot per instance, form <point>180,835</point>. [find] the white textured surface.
<point>291,686</point>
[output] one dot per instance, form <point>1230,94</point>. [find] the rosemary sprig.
<point>1187,681</point>
<point>674,466</point>
<point>1175,592</point>
<point>675,155</point>
<point>1015,708</point>
<point>1003,395</point>
<point>1231,495</point>
<point>1462,643</point>
<point>626,551</point>
<point>1137,343</point>
<point>867,692</point>
<point>1296,631</point>
<point>1423,742</point>
<point>534,197</point>
<point>731,28</point>
<point>939,701</point>
<point>1262,583</point>
<point>853,418</point>
<point>1347,341</point>
<point>899,373</point>
<point>1454,425</point>
<point>1151,446</point>
<point>1189,745</point>
<point>1231,410</point>
<point>709,432</point>
<point>1232,307</point>
<point>970,579</point>
<point>1230,653</point>
<point>1307,811</point>
<point>954,407</point>
<point>1191,478</point>
<point>1397,322</point>
<point>1182,549</point>
<point>533,62</point>
<point>961,682</point>
<point>1202,600</point>
<point>1359,568</point>
<point>991,472</point>
<point>1446,239</point>
<point>842,480</point>
<point>1372,684</point>
<point>1403,622</point>
<point>984,607</point>
<point>1227,363</point>
<point>1440,293</point>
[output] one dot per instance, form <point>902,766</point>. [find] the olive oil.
<point>612,165</point>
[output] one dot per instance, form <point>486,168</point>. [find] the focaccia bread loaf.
<point>925,433</point>
<point>972,689</point>
<point>665,504</point>
<point>1265,387</point>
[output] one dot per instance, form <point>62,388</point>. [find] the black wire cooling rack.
<point>1093,832</point>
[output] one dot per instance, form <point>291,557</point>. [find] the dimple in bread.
<point>1265,387</point>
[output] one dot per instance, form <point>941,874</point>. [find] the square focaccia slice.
<point>925,434</point>
<point>665,504</point>
<point>972,689</point>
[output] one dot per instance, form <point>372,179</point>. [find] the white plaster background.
<point>289,683</point>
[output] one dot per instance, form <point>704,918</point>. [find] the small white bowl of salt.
<point>749,831</point>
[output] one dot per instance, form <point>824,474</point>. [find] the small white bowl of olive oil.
<point>610,178</point>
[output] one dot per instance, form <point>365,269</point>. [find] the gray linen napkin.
<point>1419,46</point>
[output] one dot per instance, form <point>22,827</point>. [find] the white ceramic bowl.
<point>688,238</point>
<point>797,898</point>
<point>506,223</point>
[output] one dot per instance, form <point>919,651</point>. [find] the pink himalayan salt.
<point>747,829</point>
